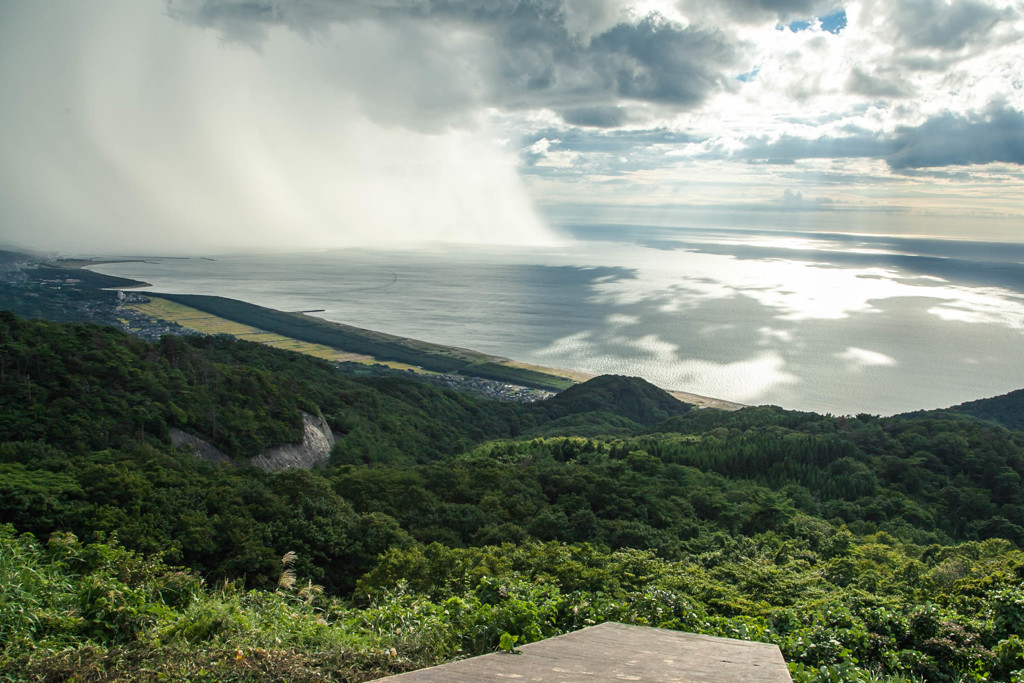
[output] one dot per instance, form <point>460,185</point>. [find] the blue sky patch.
<point>749,76</point>
<point>834,21</point>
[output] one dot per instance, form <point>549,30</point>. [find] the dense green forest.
<point>868,548</point>
<point>1007,410</point>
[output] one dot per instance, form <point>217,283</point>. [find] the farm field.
<point>207,323</point>
<point>397,352</point>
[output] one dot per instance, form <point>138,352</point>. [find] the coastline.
<point>684,396</point>
<point>496,366</point>
<point>706,401</point>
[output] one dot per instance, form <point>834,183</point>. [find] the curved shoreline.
<point>684,396</point>
<point>574,376</point>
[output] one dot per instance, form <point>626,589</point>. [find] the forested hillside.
<point>1007,410</point>
<point>870,549</point>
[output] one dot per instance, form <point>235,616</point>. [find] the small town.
<point>37,290</point>
<point>489,388</point>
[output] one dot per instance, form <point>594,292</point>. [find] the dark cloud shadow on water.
<point>954,270</point>
<point>680,334</point>
<point>898,356</point>
<point>678,339</point>
<point>935,362</point>
<point>974,263</point>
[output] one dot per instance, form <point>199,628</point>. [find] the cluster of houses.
<point>492,389</point>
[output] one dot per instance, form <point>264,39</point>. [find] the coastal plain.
<point>540,376</point>
<point>73,286</point>
<point>207,323</point>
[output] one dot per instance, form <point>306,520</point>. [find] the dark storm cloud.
<point>944,25</point>
<point>781,7</point>
<point>758,10</point>
<point>790,147</point>
<point>520,54</point>
<point>995,135</point>
<point>655,62</point>
<point>596,117</point>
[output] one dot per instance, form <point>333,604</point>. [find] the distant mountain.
<point>1007,410</point>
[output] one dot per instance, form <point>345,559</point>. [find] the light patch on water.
<point>569,345</point>
<point>858,359</point>
<point>815,335</point>
<point>652,346</point>
<point>807,291</point>
<point>747,381</point>
<point>677,282</point>
<point>987,305</point>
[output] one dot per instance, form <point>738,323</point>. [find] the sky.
<point>190,126</point>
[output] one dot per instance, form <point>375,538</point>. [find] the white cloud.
<point>541,146</point>
<point>308,113</point>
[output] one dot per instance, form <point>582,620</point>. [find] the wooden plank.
<point>619,652</point>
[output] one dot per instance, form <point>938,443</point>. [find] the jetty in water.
<point>618,652</point>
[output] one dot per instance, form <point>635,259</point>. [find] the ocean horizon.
<point>833,323</point>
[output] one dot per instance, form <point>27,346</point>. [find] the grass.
<point>98,613</point>
<point>398,352</point>
<point>207,323</point>
<point>334,335</point>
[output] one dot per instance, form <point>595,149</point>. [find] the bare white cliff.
<point>315,448</point>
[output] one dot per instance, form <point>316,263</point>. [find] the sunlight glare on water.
<point>754,319</point>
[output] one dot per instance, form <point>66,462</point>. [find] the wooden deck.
<point>617,652</point>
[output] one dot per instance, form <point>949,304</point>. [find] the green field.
<point>381,347</point>
<point>207,323</point>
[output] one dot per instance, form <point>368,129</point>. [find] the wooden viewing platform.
<point>617,652</point>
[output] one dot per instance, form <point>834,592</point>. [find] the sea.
<point>833,323</point>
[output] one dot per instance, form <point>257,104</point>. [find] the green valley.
<point>869,548</point>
